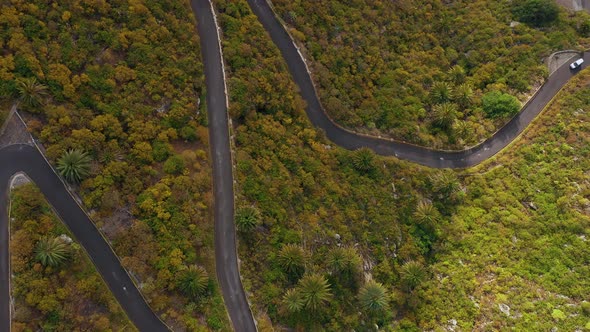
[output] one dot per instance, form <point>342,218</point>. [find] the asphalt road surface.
<point>226,258</point>
<point>387,147</point>
<point>27,159</point>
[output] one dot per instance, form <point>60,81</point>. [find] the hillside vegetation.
<point>339,240</point>
<point>418,70</point>
<point>114,91</point>
<point>519,241</point>
<point>54,285</point>
<point>329,239</point>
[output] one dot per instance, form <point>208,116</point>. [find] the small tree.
<point>346,263</point>
<point>463,95</point>
<point>497,104</point>
<point>315,291</point>
<point>443,115</point>
<point>292,258</point>
<point>363,160</point>
<point>292,301</point>
<point>535,12</point>
<point>193,281</point>
<point>426,213</point>
<point>457,74</point>
<point>412,275</point>
<point>247,218</point>
<point>74,165</point>
<point>31,92</point>
<point>373,297</point>
<point>51,252</point>
<point>440,93</point>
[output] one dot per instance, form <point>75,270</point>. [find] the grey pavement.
<point>226,259</point>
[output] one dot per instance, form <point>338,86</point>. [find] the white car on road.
<point>577,63</point>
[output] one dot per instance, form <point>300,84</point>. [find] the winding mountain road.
<point>387,147</point>
<point>27,159</point>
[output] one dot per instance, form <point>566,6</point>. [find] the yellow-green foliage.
<point>521,236</point>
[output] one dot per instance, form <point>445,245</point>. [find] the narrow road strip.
<point>226,257</point>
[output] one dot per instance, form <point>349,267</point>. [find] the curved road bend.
<point>386,147</point>
<point>25,158</point>
<point>226,258</point>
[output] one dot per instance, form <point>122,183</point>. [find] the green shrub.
<point>558,314</point>
<point>174,165</point>
<point>497,104</point>
<point>188,133</point>
<point>161,150</point>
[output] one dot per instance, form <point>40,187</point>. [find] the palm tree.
<point>412,275</point>
<point>315,291</point>
<point>443,115</point>
<point>51,252</point>
<point>445,183</point>
<point>440,92</point>
<point>293,301</point>
<point>363,160</point>
<point>463,95</point>
<point>247,218</point>
<point>457,74</point>
<point>345,261</point>
<point>462,130</point>
<point>193,281</point>
<point>373,297</point>
<point>31,92</point>
<point>74,165</point>
<point>292,259</point>
<point>426,213</point>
